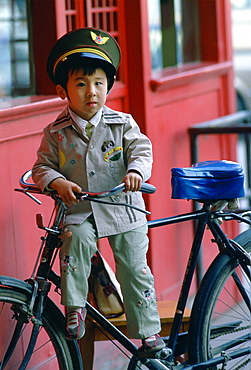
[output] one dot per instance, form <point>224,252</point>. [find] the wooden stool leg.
<point>86,345</point>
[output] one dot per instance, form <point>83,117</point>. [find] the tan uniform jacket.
<point>98,164</point>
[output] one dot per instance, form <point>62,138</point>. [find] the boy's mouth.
<point>91,103</point>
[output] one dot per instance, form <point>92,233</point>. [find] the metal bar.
<point>191,266</point>
<point>175,219</point>
<point>239,121</point>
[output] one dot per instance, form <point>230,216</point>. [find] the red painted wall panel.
<point>20,134</point>
<point>176,109</point>
<point>165,105</point>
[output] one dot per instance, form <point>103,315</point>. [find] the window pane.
<point>20,29</point>
<point>155,33</point>
<point>20,51</point>
<point>174,32</point>
<point>5,10</point>
<point>22,75</point>
<point>168,33</point>
<point>14,43</point>
<point>190,26</point>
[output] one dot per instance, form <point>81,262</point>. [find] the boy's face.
<point>86,94</point>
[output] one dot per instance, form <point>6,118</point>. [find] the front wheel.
<point>51,352</point>
<point>220,320</point>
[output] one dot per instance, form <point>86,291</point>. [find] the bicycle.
<point>26,303</point>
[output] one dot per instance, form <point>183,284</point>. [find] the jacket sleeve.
<point>46,167</point>
<point>137,149</point>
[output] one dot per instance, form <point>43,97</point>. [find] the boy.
<point>92,147</point>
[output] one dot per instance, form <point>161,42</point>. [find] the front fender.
<point>13,282</point>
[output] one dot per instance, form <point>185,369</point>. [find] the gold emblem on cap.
<point>99,39</point>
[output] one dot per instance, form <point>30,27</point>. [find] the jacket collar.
<point>109,117</point>
<point>62,121</point>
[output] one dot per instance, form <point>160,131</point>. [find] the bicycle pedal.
<point>162,354</point>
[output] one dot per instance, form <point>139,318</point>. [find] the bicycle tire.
<point>216,302</point>
<point>52,350</point>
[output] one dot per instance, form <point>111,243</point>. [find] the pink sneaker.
<point>75,324</point>
<point>153,343</point>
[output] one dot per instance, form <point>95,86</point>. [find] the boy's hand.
<point>133,181</point>
<point>65,189</point>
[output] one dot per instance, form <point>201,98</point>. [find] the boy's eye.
<point>81,84</point>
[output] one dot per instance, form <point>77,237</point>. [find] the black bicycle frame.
<point>202,218</point>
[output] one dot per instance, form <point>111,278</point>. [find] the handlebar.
<point>145,188</point>
<point>28,188</point>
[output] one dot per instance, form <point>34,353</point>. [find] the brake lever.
<point>29,195</point>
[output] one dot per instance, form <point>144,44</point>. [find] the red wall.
<point>165,105</point>
<point>20,133</point>
<point>175,108</point>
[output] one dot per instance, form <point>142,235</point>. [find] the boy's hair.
<point>88,65</point>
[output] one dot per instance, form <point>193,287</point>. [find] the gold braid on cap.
<point>80,50</point>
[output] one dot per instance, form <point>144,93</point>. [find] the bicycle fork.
<point>34,313</point>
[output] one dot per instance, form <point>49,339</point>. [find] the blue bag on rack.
<point>209,180</point>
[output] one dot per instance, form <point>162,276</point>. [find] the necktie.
<point>88,129</point>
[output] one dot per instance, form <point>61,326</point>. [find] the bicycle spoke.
<point>25,345</point>
<point>13,342</point>
<point>221,316</point>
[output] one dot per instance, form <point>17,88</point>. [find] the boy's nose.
<point>91,91</point>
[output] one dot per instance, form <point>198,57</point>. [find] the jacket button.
<point>92,173</point>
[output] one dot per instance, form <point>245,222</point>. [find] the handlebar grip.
<point>23,182</point>
<point>147,188</point>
